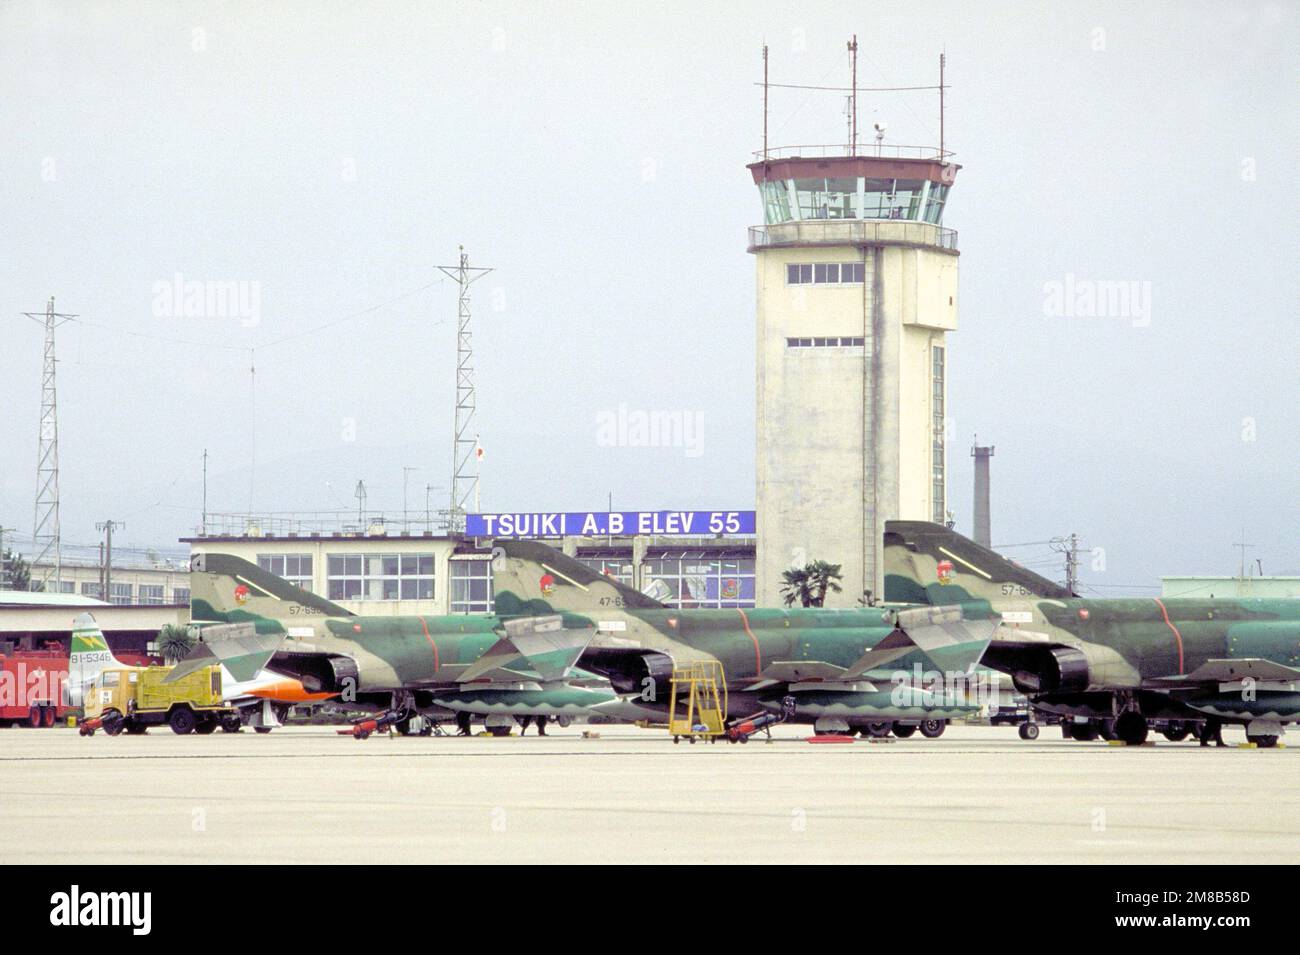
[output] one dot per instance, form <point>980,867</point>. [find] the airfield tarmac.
<point>306,795</point>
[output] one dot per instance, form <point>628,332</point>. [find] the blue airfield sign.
<point>604,523</point>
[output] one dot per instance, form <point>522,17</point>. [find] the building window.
<point>938,512</point>
<point>471,585</point>
<point>380,576</point>
<point>92,590</point>
<point>699,581</point>
<point>295,568</point>
<point>151,594</point>
<point>844,341</point>
<point>825,273</point>
<point>67,586</point>
<point>616,568</point>
<point>121,593</point>
<point>180,595</point>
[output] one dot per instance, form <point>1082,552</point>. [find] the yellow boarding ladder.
<point>705,703</point>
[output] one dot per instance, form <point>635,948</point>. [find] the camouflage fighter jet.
<point>1117,662</point>
<point>870,669</point>
<point>435,666</point>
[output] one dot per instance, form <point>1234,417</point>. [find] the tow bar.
<point>762,721</point>
<point>363,728</point>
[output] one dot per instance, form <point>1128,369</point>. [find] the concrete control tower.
<point>857,288</point>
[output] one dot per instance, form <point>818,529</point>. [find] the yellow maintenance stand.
<point>705,704</point>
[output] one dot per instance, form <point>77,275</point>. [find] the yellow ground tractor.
<point>135,698</point>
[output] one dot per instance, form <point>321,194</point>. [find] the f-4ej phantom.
<point>867,669</point>
<point>1116,662</point>
<point>567,641</point>
<point>440,667</point>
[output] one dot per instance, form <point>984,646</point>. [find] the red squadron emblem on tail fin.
<point>944,570</point>
<point>547,583</point>
<point>242,593</point>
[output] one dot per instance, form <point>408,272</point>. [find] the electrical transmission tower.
<point>47,560</point>
<point>464,473</point>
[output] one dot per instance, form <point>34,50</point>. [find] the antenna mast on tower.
<point>47,560</point>
<point>464,473</point>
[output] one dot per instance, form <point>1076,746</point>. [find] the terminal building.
<point>856,290</point>
<point>377,566</point>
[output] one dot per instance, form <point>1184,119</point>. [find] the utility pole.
<point>5,576</point>
<point>464,478</point>
<point>203,527</point>
<point>1069,546</point>
<point>1243,547</point>
<point>47,560</point>
<point>406,473</point>
<point>108,527</point>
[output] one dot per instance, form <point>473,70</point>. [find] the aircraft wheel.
<point>879,729</point>
<point>1263,742</point>
<point>47,718</point>
<point>262,729</point>
<point>182,720</point>
<point>1084,732</point>
<point>505,731</point>
<point>902,731</point>
<point>231,724</point>
<point>1176,731</point>
<point>933,729</point>
<point>1029,731</point>
<point>34,717</point>
<point>1106,729</point>
<point>1131,727</point>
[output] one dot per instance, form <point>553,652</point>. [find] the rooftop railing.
<point>852,232</point>
<point>863,149</point>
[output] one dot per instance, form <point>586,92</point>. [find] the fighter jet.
<point>1115,663</point>
<point>871,669</point>
<point>438,667</point>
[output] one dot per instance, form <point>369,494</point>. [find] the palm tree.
<point>174,642</point>
<point>810,584</point>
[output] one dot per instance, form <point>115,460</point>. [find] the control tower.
<point>857,289</point>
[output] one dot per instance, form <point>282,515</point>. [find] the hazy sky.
<point>329,156</point>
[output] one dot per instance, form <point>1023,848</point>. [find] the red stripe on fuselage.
<point>431,643</point>
<point>758,654</point>
<point>1177,636</point>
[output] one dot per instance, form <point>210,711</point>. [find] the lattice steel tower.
<point>47,562</point>
<point>464,473</point>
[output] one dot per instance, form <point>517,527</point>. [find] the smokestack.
<point>983,534</point>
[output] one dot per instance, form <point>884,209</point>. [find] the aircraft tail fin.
<point>931,564</point>
<point>228,589</point>
<point>529,578</point>
<point>88,657</point>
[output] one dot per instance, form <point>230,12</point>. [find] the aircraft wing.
<point>1232,671</point>
<point>238,646</point>
<point>952,641</point>
<point>533,648</point>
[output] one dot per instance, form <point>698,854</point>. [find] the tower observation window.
<point>825,273</point>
